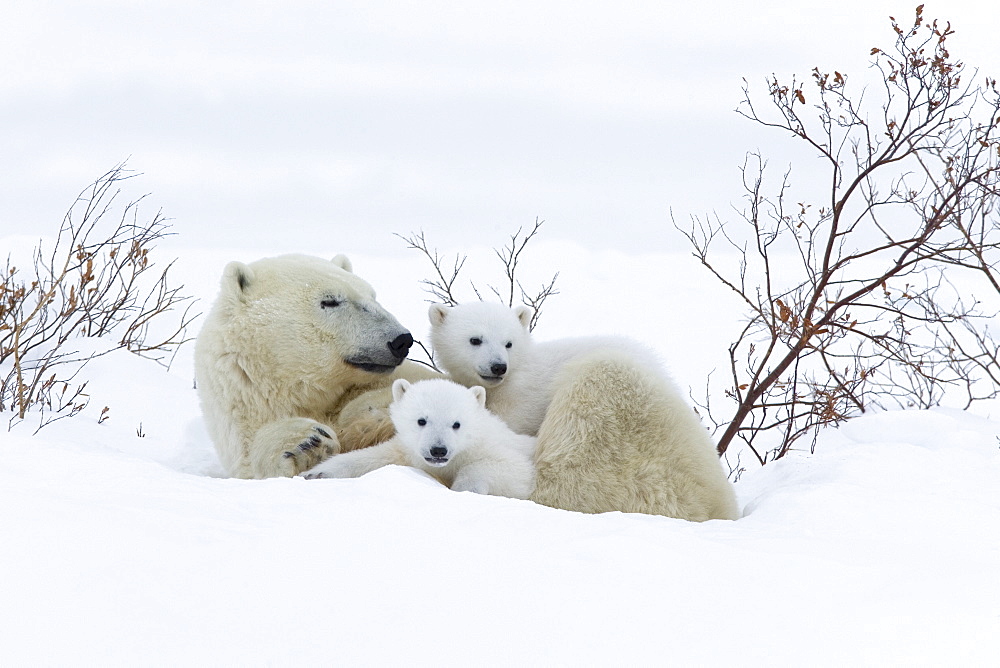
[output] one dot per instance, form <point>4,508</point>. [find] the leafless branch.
<point>94,283</point>
<point>848,303</point>
<point>442,286</point>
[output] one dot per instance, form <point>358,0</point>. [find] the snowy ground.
<point>883,548</point>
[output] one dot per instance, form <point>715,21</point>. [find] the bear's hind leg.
<point>365,421</point>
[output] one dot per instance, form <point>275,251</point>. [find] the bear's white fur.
<point>445,430</point>
<point>614,432</point>
<point>294,363</point>
<point>486,344</point>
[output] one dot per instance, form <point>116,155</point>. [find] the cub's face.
<point>479,343</point>
<point>436,419</point>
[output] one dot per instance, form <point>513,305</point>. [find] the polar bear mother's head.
<point>306,315</point>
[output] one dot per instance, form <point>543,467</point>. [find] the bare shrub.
<point>442,287</point>
<point>96,283</point>
<point>850,301</point>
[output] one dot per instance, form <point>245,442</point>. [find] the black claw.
<point>288,454</point>
<point>322,432</point>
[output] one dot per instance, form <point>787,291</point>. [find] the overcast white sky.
<point>290,124</point>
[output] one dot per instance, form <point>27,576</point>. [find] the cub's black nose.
<point>400,345</point>
<point>498,369</point>
<point>438,451</point>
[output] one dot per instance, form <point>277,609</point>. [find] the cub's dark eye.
<point>476,341</point>
<point>509,345</point>
<point>456,425</point>
<point>329,302</point>
<point>422,422</point>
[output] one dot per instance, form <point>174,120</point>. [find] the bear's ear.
<point>237,278</point>
<point>437,313</point>
<point>399,388</point>
<point>523,314</point>
<point>479,393</point>
<point>342,262</point>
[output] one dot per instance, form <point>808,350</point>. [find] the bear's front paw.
<point>290,446</point>
<point>318,446</point>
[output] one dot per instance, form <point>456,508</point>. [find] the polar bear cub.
<point>614,432</point>
<point>481,343</point>
<point>444,429</point>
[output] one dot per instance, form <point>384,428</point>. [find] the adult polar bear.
<point>296,358</point>
<point>614,433</point>
<point>294,363</point>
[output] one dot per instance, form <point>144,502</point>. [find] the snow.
<point>124,544</point>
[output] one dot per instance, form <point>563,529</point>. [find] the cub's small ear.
<point>523,314</point>
<point>480,394</point>
<point>237,278</point>
<point>437,313</point>
<point>399,388</point>
<point>342,262</point>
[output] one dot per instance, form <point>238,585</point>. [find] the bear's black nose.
<point>400,345</point>
<point>438,451</point>
<point>498,369</point>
